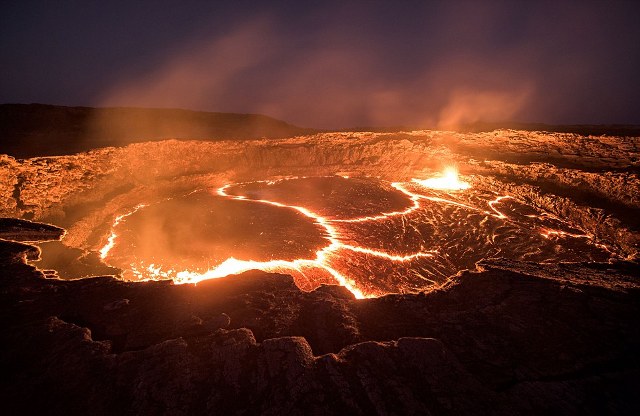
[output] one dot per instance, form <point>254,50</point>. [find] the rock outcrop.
<point>22,230</point>
<point>507,338</point>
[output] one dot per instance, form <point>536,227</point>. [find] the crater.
<point>370,235</point>
<point>200,231</point>
<point>359,210</point>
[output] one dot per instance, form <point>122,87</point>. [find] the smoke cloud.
<point>429,65</point>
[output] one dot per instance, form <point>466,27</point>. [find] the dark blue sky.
<point>331,63</point>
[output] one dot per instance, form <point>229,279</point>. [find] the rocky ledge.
<point>23,230</point>
<point>507,338</point>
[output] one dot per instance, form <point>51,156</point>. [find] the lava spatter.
<point>448,181</point>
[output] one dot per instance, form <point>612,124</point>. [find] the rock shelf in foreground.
<point>508,338</point>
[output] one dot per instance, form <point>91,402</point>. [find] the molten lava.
<point>448,181</point>
<point>111,240</point>
<point>410,236</point>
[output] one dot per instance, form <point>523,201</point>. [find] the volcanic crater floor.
<point>372,236</point>
<point>515,295</point>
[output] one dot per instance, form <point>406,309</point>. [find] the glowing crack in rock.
<point>492,204</point>
<point>548,233</point>
<point>396,185</point>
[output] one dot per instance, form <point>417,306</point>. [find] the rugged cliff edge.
<point>507,338</point>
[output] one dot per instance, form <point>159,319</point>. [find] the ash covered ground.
<point>518,295</point>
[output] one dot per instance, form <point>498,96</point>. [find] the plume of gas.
<point>329,84</point>
<point>467,106</point>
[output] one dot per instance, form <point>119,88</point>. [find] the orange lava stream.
<point>111,240</point>
<point>322,256</point>
<point>235,266</point>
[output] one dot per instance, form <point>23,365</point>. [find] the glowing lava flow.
<point>449,181</point>
<point>111,241</point>
<point>234,266</point>
<point>332,262</point>
<point>321,261</point>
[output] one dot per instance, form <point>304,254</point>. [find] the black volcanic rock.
<point>29,130</point>
<point>14,252</point>
<point>24,230</point>
<point>510,338</point>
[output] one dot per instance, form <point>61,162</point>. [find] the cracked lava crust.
<point>510,283</point>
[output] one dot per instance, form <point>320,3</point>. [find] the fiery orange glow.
<point>448,181</point>
<point>331,262</point>
<point>296,267</point>
<point>111,240</point>
<point>548,233</point>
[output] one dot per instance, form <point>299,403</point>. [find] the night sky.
<point>331,64</point>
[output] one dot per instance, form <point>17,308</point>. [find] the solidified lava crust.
<point>526,333</point>
<point>105,199</point>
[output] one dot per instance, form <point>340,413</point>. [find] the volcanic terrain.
<point>418,272</point>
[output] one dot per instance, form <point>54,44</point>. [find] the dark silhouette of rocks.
<point>22,230</point>
<point>29,130</point>
<point>507,338</point>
